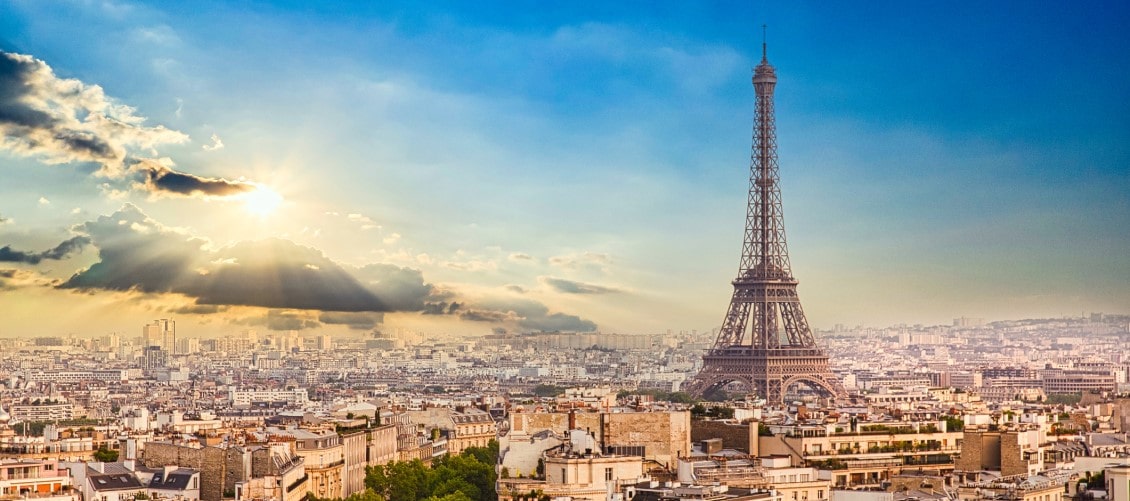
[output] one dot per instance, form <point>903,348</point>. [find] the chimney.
<point>129,464</point>
<point>572,419</point>
<point>99,466</point>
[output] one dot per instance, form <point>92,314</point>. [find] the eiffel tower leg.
<point>773,394</point>
<point>760,388</point>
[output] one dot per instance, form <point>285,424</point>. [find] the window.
<point>564,476</point>
<point>608,473</point>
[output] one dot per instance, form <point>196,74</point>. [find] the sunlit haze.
<point>262,202</point>
<point>468,167</point>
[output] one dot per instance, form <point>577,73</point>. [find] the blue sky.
<point>466,166</point>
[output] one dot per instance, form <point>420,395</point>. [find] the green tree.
<point>468,476</point>
<point>954,423</point>
<point>365,495</point>
<point>698,411</point>
<point>720,412</point>
<point>487,455</point>
<point>1064,398</point>
<point>546,390</point>
<point>105,455</point>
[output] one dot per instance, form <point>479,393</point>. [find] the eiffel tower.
<point>765,341</point>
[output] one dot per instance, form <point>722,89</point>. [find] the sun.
<point>262,202</point>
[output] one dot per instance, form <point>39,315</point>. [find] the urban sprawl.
<point>1032,410</point>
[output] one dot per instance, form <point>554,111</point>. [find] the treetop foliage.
<point>469,476</point>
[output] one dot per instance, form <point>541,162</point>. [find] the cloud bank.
<point>61,251</point>
<point>138,253</point>
<point>300,286</point>
<point>67,121</point>
<point>573,287</point>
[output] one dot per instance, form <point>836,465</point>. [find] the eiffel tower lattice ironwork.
<point>765,341</point>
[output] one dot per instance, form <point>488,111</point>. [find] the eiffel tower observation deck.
<point>765,342</point>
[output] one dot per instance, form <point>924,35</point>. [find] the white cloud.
<point>472,265</point>
<point>217,143</point>
<point>582,260</point>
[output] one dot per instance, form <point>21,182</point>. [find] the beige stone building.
<point>660,436</point>
<point>473,428</point>
<point>381,442</point>
<point>354,446</point>
<point>773,472</point>
<point>870,454</point>
<point>1012,452</point>
<point>276,473</point>
<point>791,482</point>
<point>220,467</point>
<point>589,476</point>
<point>464,427</point>
<point>1014,488</point>
<point>324,457</point>
<point>1118,482</point>
<point>579,472</point>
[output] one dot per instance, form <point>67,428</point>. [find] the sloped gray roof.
<point>177,480</point>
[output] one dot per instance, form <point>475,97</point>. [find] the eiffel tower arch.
<point>765,341</point>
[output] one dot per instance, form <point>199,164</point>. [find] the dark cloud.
<point>11,279</point>
<point>354,320</point>
<point>199,309</point>
<point>278,273</point>
<point>441,308</point>
<point>557,322</point>
<point>7,277</point>
<point>399,289</point>
<point>522,313</point>
<point>7,254</point>
<point>574,287</point>
<point>516,288</point>
<point>277,320</point>
<point>527,314</point>
<point>138,253</point>
<point>162,180</point>
<point>65,120</point>
<point>489,316</point>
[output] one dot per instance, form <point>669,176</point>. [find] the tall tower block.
<point>765,341</point>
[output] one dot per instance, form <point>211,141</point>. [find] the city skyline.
<point>573,168</point>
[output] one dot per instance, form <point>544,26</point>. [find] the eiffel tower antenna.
<point>763,51</point>
<point>765,341</point>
